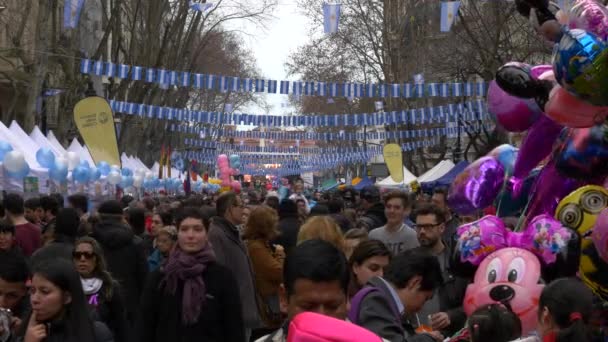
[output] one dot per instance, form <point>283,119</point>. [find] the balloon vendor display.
<point>581,211</point>
<point>228,167</point>
<point>510,263</point>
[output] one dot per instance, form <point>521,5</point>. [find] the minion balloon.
<point>579,211</point>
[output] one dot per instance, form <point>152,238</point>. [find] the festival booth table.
<point>446,179</point>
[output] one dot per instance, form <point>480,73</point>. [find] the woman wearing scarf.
<point>101,291</point>
<point>191,298</point>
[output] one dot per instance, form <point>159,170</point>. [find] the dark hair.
<point>49,203</point>
<point>148,203</point>
<point>6,227</point>
<point>494,323</point>
<point>335,205</point>
<point>430,209</point>
<point>319,210</point>
<point>356,233</point>
<point>111,207</point>
<point>368,249</point>
<point>208,213</point>
<point>13,267</point>
<point>125,201</point>
<point>190,212</point>
<point>58,198</point>
<point>287,207</point>
<point>411,263</point>
<point>13,204</point>
<point>405,200</point>
<point>441,191</point>
<point>62,273</point>
<point>101,268</point>
<point>273,202</point>
<point>79,201</point>
<point>165,216</point>
<point>224,202</point>
<point>32,203</point>
<point>318,261</point>
<point>137,220</point>
<point>67,223</point>
<point>564,297</point>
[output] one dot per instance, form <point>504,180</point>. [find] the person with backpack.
<point>408,282</point>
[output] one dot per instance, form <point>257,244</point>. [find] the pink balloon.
<point>591,16</point>
<point>512,276</point>
<point>570,111</point>
<point>514,114</point>
<point>236,186</point>
<point>600,235</point>
<point>478,239</point>
<point>539,70</point>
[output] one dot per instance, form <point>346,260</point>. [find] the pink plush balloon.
<point>236,186</point>
<point>591,16</point>
<point>570,111</point>
<point>512,276</point>
<point>600,235</point>
<point>477,186</point>
<point>512,113</point>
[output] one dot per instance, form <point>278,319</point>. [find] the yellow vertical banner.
<point>95,121</point>
<point>393,158</point>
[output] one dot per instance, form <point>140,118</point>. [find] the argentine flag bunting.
<point>98,68</point>
<point>199,81</point>
<point>184,79</point>
<point>85,66</point>
<point>123,71</point>
<point>200,7</point>
<point>331,13</point>
<point>150,75</point>
<point>137,71</point>
<point>284,87</point>
<point>407,90</point>
<point>449,11</point>
<point>110,70</point>
<point>321,89</point>
<point>247,84</point>
<point>71,13</point>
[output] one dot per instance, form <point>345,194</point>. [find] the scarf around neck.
<point>189,269</point>
<point>91,285</point>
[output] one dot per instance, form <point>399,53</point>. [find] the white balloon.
<point>149,175</point>
<point>14,161</point>
<point>61,162</point>
<point>73,160</point>
<point>114,177</point>
<point>140,172</point>
<point>138,181</point>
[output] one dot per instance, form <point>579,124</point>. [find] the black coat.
<point>126,261</point>
<point>220,319</point>
<point>58,249</point>
<point>57,333</point>
<point>111,311</point>
<point>289,227</point>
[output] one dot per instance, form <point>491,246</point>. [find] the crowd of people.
<point>240,268</point>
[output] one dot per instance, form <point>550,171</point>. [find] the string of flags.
<point>449,12</point>
<point>197,81</point>
<point>200,6</point>
<point>71,13</point>
<point>473,110</point>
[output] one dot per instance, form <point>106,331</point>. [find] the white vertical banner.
<point>449,12</point>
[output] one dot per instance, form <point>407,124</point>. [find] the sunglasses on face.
<point>86,255</point>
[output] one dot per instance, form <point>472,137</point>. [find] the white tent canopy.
<point>389,183</point>
<point>436,172</point>
<point>51,137</point>
<point>42,141</point>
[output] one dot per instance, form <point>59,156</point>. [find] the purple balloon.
<point>540,69</point>
<point>537,145</point>
<point>477,186</point>
<point>514,114</point>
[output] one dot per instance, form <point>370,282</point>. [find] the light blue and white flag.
<point>272,86</point>
<point>137,71</point>
<point>247,84</point>
<point>150,75</point>
<point>123,71</point>
<point>210,81</point>
<point>449,12</point>
<point>259,86</point>
<point>71,13</point>
<point>98,68</point>
<point>110,69</point>
<point>284,87</point>
<point>199,81</point>
<point>322,89</point>
<point>200,7</point>
<point>331,13</point>
<point>184,79</point>
<point>85,66</point>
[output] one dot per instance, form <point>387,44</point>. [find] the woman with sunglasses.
<point>100,289</point>
<point>59,307</point>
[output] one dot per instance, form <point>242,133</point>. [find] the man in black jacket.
<point>125,258</point>
<point>64,236</point>
<point>409,281</point>
<point>374,216</point>
<point>289,225</point>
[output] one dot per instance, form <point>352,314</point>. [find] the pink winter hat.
<point>312,327</point>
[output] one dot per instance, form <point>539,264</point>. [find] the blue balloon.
<point>507,159</point>
<point>94,174</point>
<point>81,174</point>
<point>126,172</point>
<point>180,165</point>
<point>59,172</point>
<point>127,181</point>
<point>104,168</point>
<point>85,164</point>
<point>21,173</point>
<point>234,160</point>
<point>45,157</point>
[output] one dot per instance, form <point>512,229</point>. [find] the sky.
<point>284,34</point>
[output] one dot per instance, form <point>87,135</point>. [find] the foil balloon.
<point>512,113</point>
<point>478,239</point>
<point>516,79</point>
<point>537,145</point>
<point>579,64</point>
<point>600,235</point>
<point>507,204</point>
<point>591,16</point>
<point>582,153</point>
<point>510,276</point>
<point>571,111</point>
<point>580,210</point>
<point>506,155</point>
<point>477,186</point>
<point>539,70</point>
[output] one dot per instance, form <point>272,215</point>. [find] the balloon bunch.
<point>178,162</point>
<point>510,263</point>
<point>13,161</point>
<point>228,169</point>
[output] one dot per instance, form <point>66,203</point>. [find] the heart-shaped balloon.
<point>477,186</point>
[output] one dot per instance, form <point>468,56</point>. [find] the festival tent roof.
<point>42,141</point>
<point>436,172</point>
<point>446,179</point>
<point>25,139</point>
<point>81,151</point>
<point>51,137</point>
<point>388,182</point>
<point>363,183</point>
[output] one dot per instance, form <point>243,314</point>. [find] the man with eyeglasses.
<point>444,311</point>
<point>231,252</point>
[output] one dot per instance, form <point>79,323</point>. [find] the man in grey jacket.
<point>408,282</point>
<point>231,252</point>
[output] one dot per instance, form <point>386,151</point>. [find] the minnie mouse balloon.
<point>508,276</point>
<point>579,64</point>
<point>477,186</point>
<point>512,113</point>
